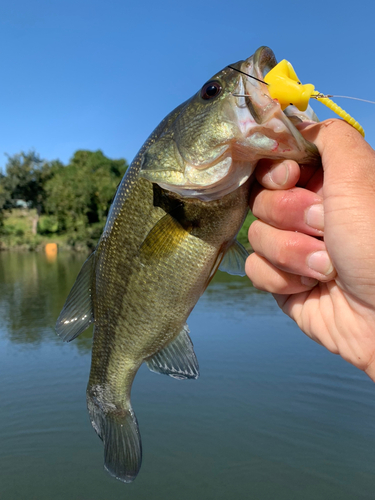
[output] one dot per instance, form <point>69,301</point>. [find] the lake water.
<point>272,416</point>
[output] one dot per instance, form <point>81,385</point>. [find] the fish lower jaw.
<point>238,173</point>
<point>208,176</point>
<point>266,143</point>
<point>258,141</point>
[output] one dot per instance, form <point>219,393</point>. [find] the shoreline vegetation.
<point>18,234</point>
<point>45,202</point>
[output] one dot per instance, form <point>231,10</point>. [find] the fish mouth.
<point>263,61</point>
<point>262,123</point>
<point>256,97</point>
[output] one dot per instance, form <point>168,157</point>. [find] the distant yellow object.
<point>285,87</point>
<point>51,251</point>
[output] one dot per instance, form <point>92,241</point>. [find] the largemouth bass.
<point>172,223</point>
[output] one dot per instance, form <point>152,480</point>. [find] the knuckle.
<point>279,210</point>
<point>338,127</point>
<point>285,252</point>
<point>254,230</point>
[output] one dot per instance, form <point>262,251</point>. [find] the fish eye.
<point>210,90</point>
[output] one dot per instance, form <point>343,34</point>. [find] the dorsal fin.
<point>177,359</point>
<point>77,313</point>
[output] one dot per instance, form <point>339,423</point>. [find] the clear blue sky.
<point>101,74</point>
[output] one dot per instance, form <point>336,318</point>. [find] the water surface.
<point>273,415</point>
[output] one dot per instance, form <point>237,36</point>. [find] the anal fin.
<point>77,313</point>
<point>177,359</point>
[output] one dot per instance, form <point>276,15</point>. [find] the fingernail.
<point>320,262</point>
<point>279,174</point>
<point>310,282</point>
<point>314,216</point>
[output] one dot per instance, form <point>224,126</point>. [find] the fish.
<point>173,222</point>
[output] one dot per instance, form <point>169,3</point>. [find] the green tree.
<point>4,193</point>
<point>4,197</point>
<point>79,194</point>
<point>26,175</point>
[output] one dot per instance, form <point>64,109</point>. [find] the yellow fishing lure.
<point>285,86</point>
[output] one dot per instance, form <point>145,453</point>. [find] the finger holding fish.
<point>284,262</point>
<point>293,209</point>
<point>285,174</point>
<point>268,278</point>
<point>277,174</point>
<point>288,251</point>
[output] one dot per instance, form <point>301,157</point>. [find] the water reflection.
<point>238,292</point>
<point>51,252</point>
<point>33,288</point>
<point>273,414</point>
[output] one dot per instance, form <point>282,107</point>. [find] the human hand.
<point>327,287</point>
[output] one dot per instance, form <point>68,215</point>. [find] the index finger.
<point>277,174</point>
<point>346,157</point>
<point>349,204</point>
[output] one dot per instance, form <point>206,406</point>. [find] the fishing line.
<point>286,88</point>
<point>250,76</point>
<point>343,96</point>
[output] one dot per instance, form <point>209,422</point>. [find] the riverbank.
<point>21,226</point>
<point>20,233</point>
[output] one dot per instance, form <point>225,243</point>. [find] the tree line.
<point>71,200</point>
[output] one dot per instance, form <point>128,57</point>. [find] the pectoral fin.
<point>234,260</point>
<point>177,359</point>
<point>77,313</point>
<point>163,238</point>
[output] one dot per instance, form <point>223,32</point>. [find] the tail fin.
<point>118,428</point>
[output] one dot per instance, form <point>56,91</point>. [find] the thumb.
<point>349,201</point>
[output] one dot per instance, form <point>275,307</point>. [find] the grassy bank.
<point>18,233</point>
